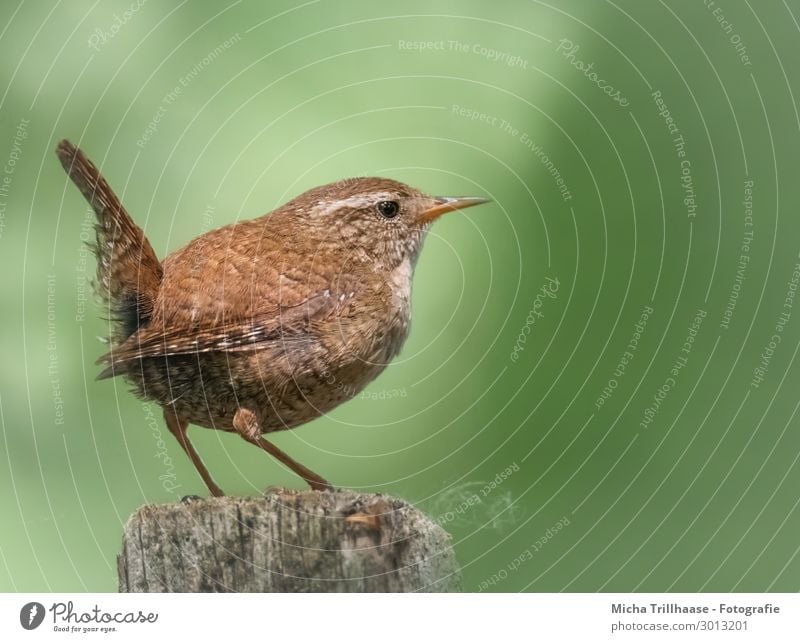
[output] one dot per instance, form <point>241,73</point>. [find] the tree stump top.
<point>286,541</point>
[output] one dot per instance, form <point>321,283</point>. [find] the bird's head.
<point>378,218</point>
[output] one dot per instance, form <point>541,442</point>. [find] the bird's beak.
<point>443,204</point>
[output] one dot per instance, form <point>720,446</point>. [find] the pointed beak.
<point>443,204</point>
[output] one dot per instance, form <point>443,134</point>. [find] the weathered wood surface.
<point>286,541</point>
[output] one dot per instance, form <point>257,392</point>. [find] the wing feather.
<point>285,324</point>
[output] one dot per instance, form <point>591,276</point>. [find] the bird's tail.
<point>128,271</point>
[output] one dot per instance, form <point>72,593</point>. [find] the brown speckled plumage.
<point>264,324</point>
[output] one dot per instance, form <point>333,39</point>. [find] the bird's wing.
<point>240,287</point>
<point>284,324</point>
<point>248,270</point>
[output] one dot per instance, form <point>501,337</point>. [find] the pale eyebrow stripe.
<point>361,200</point>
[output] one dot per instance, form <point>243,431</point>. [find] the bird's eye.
<point>388,209</point>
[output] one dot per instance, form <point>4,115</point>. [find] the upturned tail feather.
<point>128,272</point>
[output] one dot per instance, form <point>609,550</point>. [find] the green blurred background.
<point>493,419</point>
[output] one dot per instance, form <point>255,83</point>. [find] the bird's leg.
<point>246,424</point>
<point>178,428</point>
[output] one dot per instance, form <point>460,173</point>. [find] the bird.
<point>267,323</point>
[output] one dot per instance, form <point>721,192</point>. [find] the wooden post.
<point>286,541</point>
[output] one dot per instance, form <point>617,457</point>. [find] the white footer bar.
<point>285,617</point>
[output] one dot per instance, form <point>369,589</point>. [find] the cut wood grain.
<point>286,541</point>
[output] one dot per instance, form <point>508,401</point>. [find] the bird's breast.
<point>398,311</point>
<point>400,284</point>
<point>373,323</point>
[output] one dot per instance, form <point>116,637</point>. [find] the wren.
<point>264,324</point>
